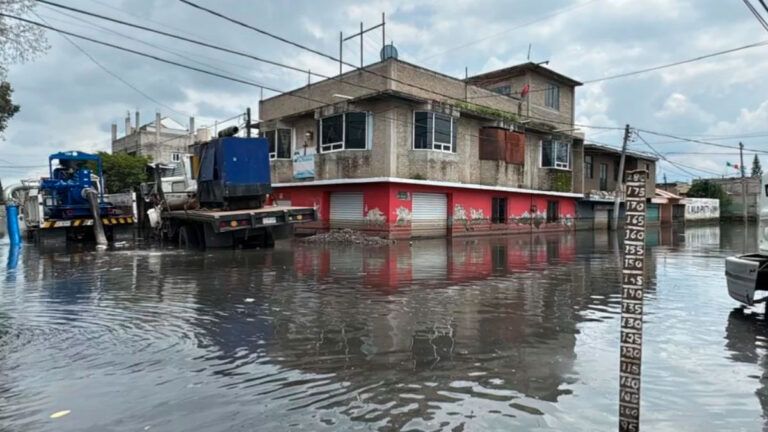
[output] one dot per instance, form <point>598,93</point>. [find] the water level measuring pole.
<point>632,282</point>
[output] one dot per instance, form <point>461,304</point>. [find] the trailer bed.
<point>231,220</point>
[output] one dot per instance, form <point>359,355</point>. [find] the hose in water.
<point>98,228</point>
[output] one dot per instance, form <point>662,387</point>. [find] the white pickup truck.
<point>749,273</point>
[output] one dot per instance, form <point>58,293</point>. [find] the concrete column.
<point>138,121</point>
<point>114,132</point>
<point>157,128</point>
<point>128,124</point>
<point>192,124</point>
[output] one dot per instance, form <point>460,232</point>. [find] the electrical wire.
<point>676,164</point>
<point>180,54</point>
<point>699,141</point>
<point>175,36</point>
<point>756,14</point>
<point>114,74</point>
<point>143,54</point>
<point>655,68</point>
<point>247,82</point>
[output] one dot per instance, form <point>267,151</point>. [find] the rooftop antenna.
<point>362,32</point>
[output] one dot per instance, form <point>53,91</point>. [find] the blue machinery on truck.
<point>69,202</point>
<point>229,207</point>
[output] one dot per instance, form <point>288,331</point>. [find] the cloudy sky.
<point>68,102</point>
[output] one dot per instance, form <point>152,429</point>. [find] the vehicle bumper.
<point>741,273</point>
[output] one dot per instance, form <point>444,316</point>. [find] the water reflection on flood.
<point>464,334</point>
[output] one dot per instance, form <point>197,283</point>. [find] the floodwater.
<point>508,333</point>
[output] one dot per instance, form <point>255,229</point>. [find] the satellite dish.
<point>388,52</point>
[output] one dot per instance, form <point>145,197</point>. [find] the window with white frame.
<point>552,96</point>
<point>279,142</point>
<point>434,131</point>
<point>555,154</point>
<point>175,157</point>
<point>347,131</point>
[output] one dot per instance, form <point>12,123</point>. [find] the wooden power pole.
<point>620,180</point>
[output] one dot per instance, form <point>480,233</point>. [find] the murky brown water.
<point>513,333</point>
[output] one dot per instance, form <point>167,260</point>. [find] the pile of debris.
<point>347,236</point>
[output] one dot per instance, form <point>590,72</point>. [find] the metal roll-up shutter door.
<point>429,216</point>
<point>347,207</point>
<point>652,213</point>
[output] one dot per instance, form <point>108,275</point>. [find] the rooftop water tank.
<point>389,52</point>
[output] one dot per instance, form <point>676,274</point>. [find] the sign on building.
<point>701,208</point>
<point>303,166</point>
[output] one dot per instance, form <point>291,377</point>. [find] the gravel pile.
<point>347,236</point>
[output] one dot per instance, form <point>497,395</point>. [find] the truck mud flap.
<point>742,278</point>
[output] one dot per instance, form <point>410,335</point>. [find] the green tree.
<point>7,107</point>
<point>757,169</point>
<point>124,172</point>
<point>708,189</point>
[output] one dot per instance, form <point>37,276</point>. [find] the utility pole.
<point>620,180</point>
<point>743,182</point>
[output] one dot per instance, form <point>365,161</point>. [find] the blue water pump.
<point>64,192</point>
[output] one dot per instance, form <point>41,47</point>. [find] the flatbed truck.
<point>227,199</point>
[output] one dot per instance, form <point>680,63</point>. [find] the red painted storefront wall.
<point>386,214</point>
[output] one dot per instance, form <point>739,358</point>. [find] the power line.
<point>360,69</point>
<point>756,14</point>
<point>676,164</point>
<point>650,69</point>
<point>114,74</point>
<point>678,63</point>
<point>699,141</point>
<point>151,56</point>
<point>283,65</point>
<point>174,36</point>
<point>177,53</point>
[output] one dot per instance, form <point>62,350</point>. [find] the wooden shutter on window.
<point>515,148</point>
<point>492,143</point>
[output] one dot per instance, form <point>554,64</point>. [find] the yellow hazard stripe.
<point>106,221</point>
<point>114,221</point>
<point>77,222</point>
<point>48,224</point>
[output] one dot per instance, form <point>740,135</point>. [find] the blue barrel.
<point>12,219</point>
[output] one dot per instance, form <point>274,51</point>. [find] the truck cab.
<point>747,274</point>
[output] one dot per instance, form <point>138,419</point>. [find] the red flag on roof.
<point>526,89</point>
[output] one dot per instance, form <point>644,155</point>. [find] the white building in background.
<point>164,140</point>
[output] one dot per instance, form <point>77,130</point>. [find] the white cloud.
<point>746,122</point>
<point>678,105</point>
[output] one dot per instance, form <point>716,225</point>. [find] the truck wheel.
<point>188,238</point>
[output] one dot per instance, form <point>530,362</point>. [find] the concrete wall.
<point>143,143</point>
<point>697,209</point>
<point>612,161</point>
<point>392,154</point>
<point>388,206</point>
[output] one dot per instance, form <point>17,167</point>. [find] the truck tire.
<point>188,238</point>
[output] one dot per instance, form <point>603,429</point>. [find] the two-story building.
<point>601,174</point>
<point>164,140</point>
<point>398,150</point>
